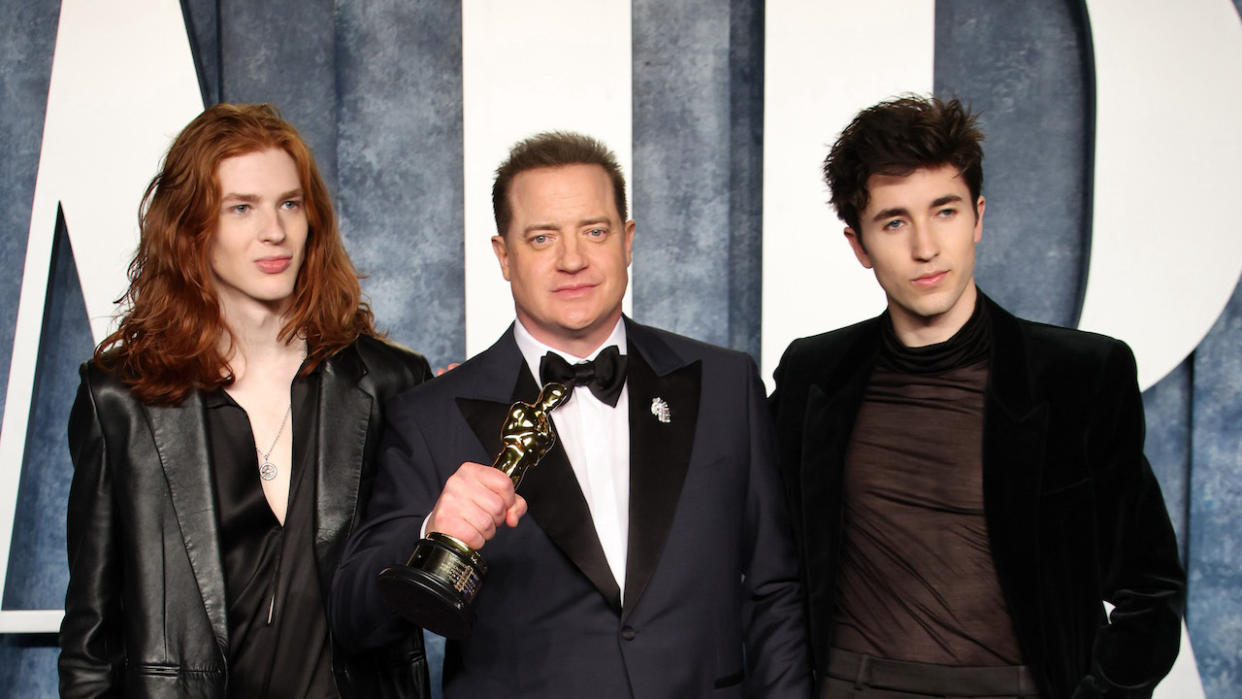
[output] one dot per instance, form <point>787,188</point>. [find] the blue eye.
<point>597,232</point>
<point>241,208</point>
<point>292,204</point>
<point>893,225</point>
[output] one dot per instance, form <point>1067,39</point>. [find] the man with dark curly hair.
<point>967,488</point>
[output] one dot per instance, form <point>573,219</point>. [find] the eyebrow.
<point>541,227</point>
<point>903,211</point>
<point>890,213</point>
<point>556,227</point>
<point>946,199</point>
<point>252,198</point>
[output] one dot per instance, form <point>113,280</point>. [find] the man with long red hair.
<point>223,438</point>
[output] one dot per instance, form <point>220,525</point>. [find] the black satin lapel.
<point>659,459</point>
<point>553,498</point>
<point>344,416</point>
<point>180,435</point>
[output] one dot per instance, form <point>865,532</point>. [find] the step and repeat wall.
<point>1110,172</point>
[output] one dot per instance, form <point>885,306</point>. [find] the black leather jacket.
<point>145,612</point>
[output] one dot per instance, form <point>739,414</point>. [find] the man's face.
<point>566,255</point>
<point>918,234</point>
<point>261,228</point>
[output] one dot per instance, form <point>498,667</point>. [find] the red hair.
<point>168,342</point>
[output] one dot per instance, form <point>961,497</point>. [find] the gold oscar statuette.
<point>435,587</point>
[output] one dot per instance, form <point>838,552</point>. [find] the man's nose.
<point>273,228</point>
<point>923,244</point>
<point>571,258</point>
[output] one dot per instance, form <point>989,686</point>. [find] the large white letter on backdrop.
<point>1167,146</point>
<point>123,85</point>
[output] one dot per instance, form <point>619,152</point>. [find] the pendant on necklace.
<point>267,470</point>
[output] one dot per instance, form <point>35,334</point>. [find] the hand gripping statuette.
<point>443,576</point>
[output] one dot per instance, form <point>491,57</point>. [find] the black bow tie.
<point>604,376</point>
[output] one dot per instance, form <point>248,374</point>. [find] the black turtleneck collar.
<point>969,345</point>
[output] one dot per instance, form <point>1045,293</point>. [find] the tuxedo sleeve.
<point>405,489</point>
<point>1139,569</point>
<point>91,651</point>
<point>776,647</point>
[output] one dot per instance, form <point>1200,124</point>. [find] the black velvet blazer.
<point>145,612</point>
<point>1074,514</point>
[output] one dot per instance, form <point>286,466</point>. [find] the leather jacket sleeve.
<point>92,655</point>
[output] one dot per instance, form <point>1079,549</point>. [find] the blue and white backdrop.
<point>1111,127</point>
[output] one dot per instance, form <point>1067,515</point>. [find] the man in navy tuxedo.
<point>968,488</point>
<point>648,554</point>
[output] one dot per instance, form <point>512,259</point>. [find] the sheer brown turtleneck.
<point>917,581</point>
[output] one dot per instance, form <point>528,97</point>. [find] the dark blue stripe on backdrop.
<point>697,120</point>
<point>38,572</point>
<point>1025,68</point>
<point>283,53</point>
<point>746,68</point>
<point>1169,414</point>
<point>202,25</point>
<point>1214,606</point>
<point>400,165</point>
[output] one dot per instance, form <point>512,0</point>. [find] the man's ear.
<point>502,254</point>
<point>629,242</point>
<point>856,244</point>
<point>979,207</point>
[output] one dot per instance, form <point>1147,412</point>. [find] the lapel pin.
<point>660,409</point>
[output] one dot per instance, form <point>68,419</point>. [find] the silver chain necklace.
<point>267,469</point>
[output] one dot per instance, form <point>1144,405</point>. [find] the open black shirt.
<point>278,633</point>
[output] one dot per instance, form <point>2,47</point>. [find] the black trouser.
<point>868,677</point>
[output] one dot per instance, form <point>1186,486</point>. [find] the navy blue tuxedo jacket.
<point>713,605</point>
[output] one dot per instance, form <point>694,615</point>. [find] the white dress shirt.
<point>596,438</point>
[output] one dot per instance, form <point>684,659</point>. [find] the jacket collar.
<point>1014,434</point>
<point>659,451</point>
<point>834,395</point>
<point>180,434</point>
<point>346,406</point>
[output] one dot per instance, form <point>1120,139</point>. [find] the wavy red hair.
<point>168,342</point>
